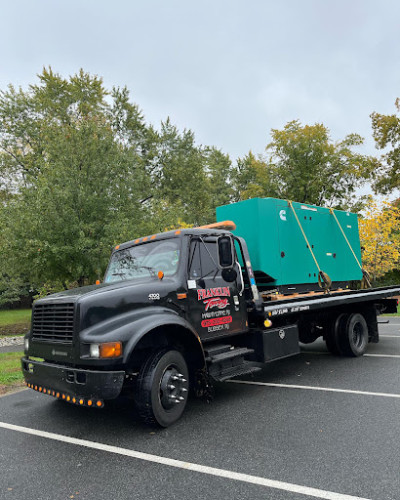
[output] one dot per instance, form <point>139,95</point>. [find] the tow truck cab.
<point>172,292</point>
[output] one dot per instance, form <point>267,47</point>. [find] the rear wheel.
<point>162,389</point>
<point>353,340</point>
<point>333,336</point>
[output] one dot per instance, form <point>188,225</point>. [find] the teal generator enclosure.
<point>276,232</point>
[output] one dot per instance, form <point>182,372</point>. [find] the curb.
<point>13,391</point>
<point>9,341</point>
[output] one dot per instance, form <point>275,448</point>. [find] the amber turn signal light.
<point>110,350</point>
<point>160,275</point>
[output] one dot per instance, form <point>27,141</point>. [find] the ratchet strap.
<point>324,280</point>
<point>366,280</point>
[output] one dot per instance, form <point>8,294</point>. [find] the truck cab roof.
<point>196,231</point>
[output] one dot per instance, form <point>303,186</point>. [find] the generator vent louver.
<point>53,323</point>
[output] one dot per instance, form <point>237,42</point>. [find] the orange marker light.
<point>68,398</point>
<point>145,239</point>
<point>35,387</point>
<point>74,400</point>
<point>81,401</point>
<point>181,296</point>
<point>57,395</point>
<point>160,275</point>
<point>90,402</point>
<point>44,391</point>
<point>99,404</point>
<point>40,389</point>
<point>97,282</point>
<point>110,350</point>
<point>117,247</point>
<point>137,241</point>
<point>63,396</point>
<point>226,224</point>
<point>178,232</point>
<point>153,237</point>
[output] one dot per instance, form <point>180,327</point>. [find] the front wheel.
<point>162,388</point>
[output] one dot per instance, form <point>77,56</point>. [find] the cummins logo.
<point>282,334</point>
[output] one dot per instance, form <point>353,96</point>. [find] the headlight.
<point>106,350</point>
<point>94,351</point>
<point>26,344</point>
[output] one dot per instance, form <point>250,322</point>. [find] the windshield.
<point>144,260</point>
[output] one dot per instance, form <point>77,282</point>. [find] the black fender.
<point>131,327</point>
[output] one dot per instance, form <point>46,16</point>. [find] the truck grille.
<point>53,323</point>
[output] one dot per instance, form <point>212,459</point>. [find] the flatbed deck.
<point>293,304</point>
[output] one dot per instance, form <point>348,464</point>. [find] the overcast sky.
<point>228,70</point>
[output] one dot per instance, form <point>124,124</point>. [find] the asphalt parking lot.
<point>311,426</point>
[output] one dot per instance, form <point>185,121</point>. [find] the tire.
<point>332,339</point>
<point>162,388</point>
<point>353,340</point>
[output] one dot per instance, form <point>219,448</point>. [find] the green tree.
<point>250,178</point>
<point>304,165</point>
<point>178,173</point>
<point>218,169</point>
<point>386,132</point>
<point>75,165</point>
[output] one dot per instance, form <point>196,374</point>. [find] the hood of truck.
<point>97,303</point>
<point>75,293</point>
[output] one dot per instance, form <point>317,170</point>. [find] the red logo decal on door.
<point>217,302</point>
<point>216,321</point>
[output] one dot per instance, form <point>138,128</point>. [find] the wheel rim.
<point>173,387</point>
<point>357,335</point>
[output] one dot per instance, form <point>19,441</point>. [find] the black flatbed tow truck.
<point>177,311</point>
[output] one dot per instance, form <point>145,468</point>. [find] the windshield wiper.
<point>148,268</point>
<point>118,274</point>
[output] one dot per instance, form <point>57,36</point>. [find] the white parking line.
<point>326,353</point>
<point>390,336</point>
<point>316,388</point>
<point>382,355</point>
<point>212,471</point>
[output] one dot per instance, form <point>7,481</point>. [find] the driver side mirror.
<point>226,258</point>
<point>225,252</point>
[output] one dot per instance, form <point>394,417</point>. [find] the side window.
<point>194,260</point>
<point>209,258</point>
<point>203,259</point>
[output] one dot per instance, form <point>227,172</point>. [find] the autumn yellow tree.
<point>380,238</point>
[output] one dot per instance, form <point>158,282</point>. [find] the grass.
<point>14,316</point>
<point>15,321</point>
<point>10,371</point>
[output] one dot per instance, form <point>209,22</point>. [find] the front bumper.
<point>78,384</point>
